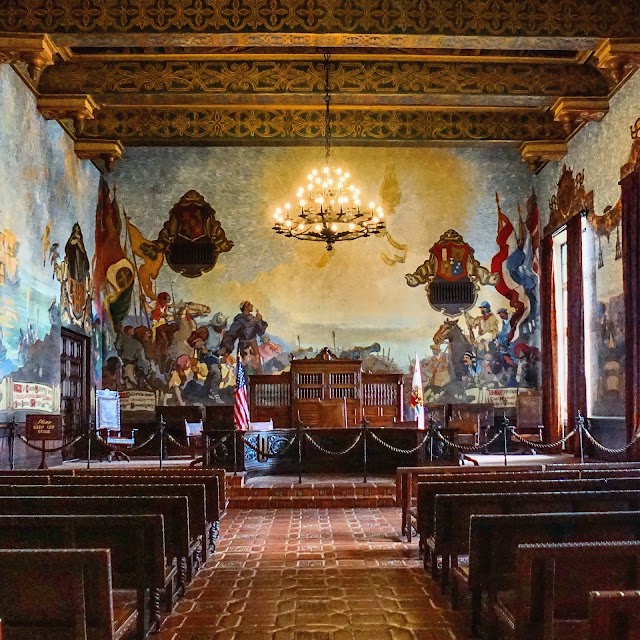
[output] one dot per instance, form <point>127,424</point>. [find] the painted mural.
<point>601,153</point>
<point>46,203</point>
<point>268,299</point>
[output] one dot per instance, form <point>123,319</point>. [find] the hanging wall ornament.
<point>192,238</point>
<point>451,275</point>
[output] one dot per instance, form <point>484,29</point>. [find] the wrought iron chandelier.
<point>329,206</point>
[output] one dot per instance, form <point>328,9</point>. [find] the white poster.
<point>503,398</point>
<point>33,396</point>
<point>138,401</point>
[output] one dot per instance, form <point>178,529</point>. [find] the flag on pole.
<point>240,402</point>
<point>417,394</point>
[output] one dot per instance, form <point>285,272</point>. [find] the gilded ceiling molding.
<point>574,112</point>
<point>278,126</point>
<point>202,77</point>
<point>618,58</point>
<point>36,50</point>
<point>108,151</point>
<point>513,18</point>
<point>537,153</point>
<point>78,108</point>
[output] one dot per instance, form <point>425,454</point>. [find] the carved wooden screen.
<point>382,398</point>
<point>270,399</point>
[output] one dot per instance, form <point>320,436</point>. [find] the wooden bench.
<point>553,585</point>
<point>582,466</point>
<point>28,479</point>
<point>210,483</point>
<point>494,540</point>
<point>174,510</point>
<point>502,476</point>
<point>136,544</point>
<point>407,484</point>
<point>64,594</point>
<point>196,505</point>
<point>614,615</point>
<point>168,471</point>
<point>454,511</point>
<point>427,493</point>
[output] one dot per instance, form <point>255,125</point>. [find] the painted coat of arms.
<point>451,275</point>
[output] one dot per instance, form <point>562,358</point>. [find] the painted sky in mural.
<point>46,191</point>
<point>354,300</point>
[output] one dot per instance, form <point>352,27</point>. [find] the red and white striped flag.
<point>240,401</point>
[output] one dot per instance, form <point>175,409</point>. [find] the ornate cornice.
<point>78,108</point>
<point>515,18</point>
<point>574,112</point>
<point>36,50</point>
<point>182,78</point>
<point>536,153</point>
<point>617,58</point>
<point>108,151</point>
<point>278,126</point>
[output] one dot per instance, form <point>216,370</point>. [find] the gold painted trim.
<point>537,153</point>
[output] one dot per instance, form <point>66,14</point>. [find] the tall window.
<point>560,256</point>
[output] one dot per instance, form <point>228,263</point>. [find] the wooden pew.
<point>494,540</point>
<point>454,511</point>
<point>136,544</point>
<point>406,482</point>
<point>194,493</point>
<point>167,471</point>
<point>211,485</point>
<point>174,510</point>
<point>64,594</point>
<point>427,493</point>
<point>582,466</point>
<point>551,598</point>
<point>29,479</point>
<point>614,615</point>
<point>502,476</point>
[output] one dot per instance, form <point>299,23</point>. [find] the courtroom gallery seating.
<point>532,550</point>
<point>156,528</point>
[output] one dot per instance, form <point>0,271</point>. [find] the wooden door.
<point>74,385</point>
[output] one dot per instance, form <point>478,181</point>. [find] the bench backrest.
<point>494,539</point>
<point>136,542</point>
<point>60,590</point>
<point>554,581</point>
<point>174,509</point>
<point>614,615</point>
<point>211,484</point>
<point>454,511</point>
<point>171,471</point>
<point>194,493</point>
<point>427,491</point>
<point>29,479</point>
<point>582,466</point>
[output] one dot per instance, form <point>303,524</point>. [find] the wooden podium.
<point>326,392</point>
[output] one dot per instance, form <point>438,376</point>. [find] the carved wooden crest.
<point>570,199</point>
<point>451,275</point>
<point>192,238</point>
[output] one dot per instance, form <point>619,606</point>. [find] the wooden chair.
<point>193,432</point>
<point>333,413</point>
<point>119,439</point>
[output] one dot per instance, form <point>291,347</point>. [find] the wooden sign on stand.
<point>43,427</point>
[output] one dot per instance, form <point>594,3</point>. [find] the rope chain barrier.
<point>397,449</point>
<point>266,454</point>
<point>334,453</point>
<point>54,449</point>
<point>544,445</point>
<point>606,449</point>
<point>468,447</point>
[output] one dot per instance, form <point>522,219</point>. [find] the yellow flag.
<point>151,256</point>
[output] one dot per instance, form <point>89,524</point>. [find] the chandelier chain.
<point>327,113</point>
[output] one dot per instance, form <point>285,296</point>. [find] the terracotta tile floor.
<point>313,574</point>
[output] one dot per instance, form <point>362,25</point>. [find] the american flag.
<point>240,402</point>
